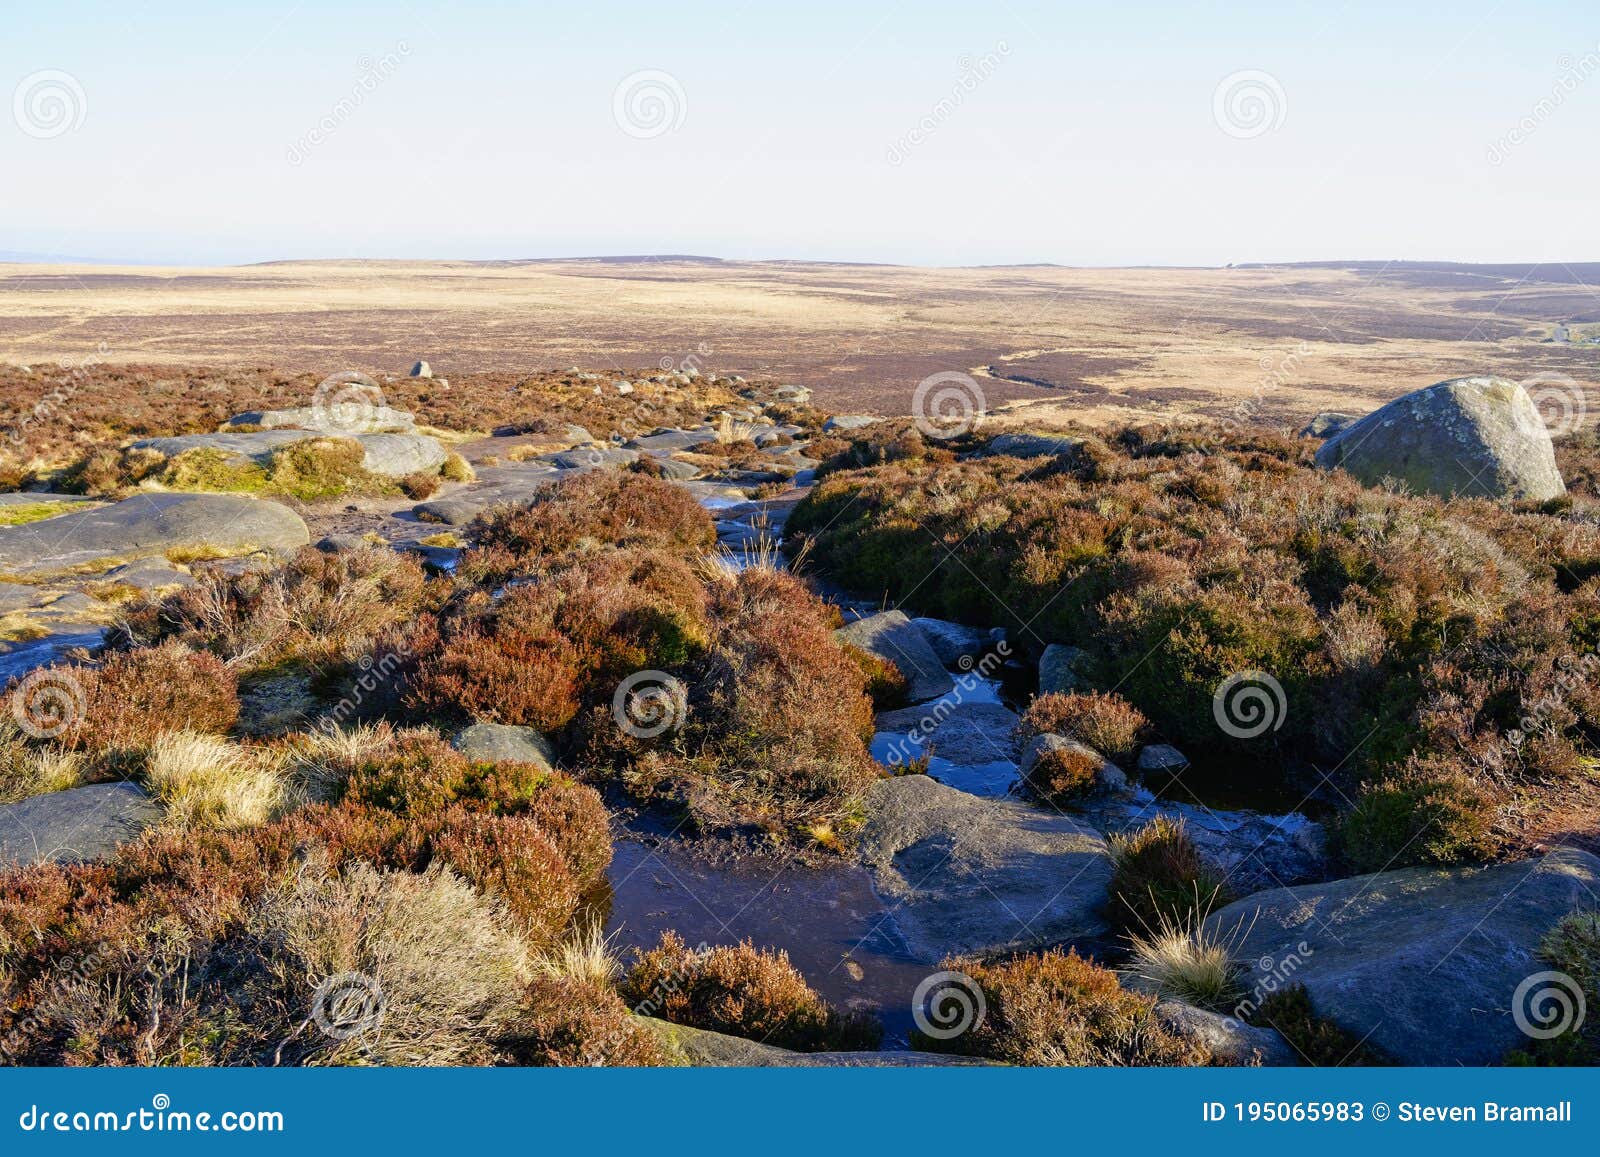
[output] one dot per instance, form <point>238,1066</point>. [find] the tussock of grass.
<point>1183,959</point>
<point>27,770</point>
<point>206,781</point>
<point>1160,876</point>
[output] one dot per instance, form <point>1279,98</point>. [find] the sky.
<point>1002,132</point>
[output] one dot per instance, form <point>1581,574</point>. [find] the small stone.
<point>422,370</point>
<point>1162,759</point>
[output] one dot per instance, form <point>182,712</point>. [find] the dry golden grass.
<point>207,781</point>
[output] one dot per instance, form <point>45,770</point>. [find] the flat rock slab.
<point>705,1049</point>
<point>496,486</point>
<point>1035,446</point>
<point>673,440</point>
<point>967,875</point>
<point>147,525</point>
<point>965,733</point>
<point>84,823</point>
<point>19,658</point>
<point>1481,437</point>
<point>1424,963</point>
<point>890,635</point>
<point>391,455</point>
<point>590,458</point>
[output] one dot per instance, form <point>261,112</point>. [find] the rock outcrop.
<point>890,635</point>
<point>82,823</point>
<point>962,874</point>
<point>1424,963</point>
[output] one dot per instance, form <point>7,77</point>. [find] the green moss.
<point>212,470</point>
<point>23,514</point>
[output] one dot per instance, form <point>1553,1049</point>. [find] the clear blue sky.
<point>1085,134</point>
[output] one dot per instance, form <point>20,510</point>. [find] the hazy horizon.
<point>941,135</point>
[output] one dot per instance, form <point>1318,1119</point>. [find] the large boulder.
<point>957,644</point>
<point>391,455</point>
<point>1477,437</point>
<point>890,635</point>
<point>147,525</point>
<point>967,875</point>
<point>1423,963</point>
<point>1022,445</point>
<point>1061,669</point>
<point>82,823</point>
<point>332,419</point>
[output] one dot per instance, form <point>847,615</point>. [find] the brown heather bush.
<point>320,607</point>
<point>600,508</point>
<point>571,1023</point>
<point>1400,627</point>
<point>1064,774</point>
<point>778,719</point>
<point>512,858</point>
<point>1057,1008</point>
<point>1105,721</point>
<point>1160,878</point>
<point>887,687</point>
<point>743,991</point>
<point>562,640</point>
<point>135,696</point>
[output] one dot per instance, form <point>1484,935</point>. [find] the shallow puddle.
<point>829,920</point>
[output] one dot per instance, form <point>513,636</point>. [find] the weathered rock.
<point>421,369</point>
<point>150,574</point>
<point>1161,759</point>
<point>20,656</point>
<point>500,743</point>
<point>673,441</point>
<point>1480,437</point>
<point>1253,851</point>
<point>335,419</point>
<point>1059,669</point>
<point>334,543</point>
<point>83,823</point>
<point>1328,423</point>
<point>591,458</point>
<point>954,643</point>
<point>1423,963</point>
<point>702,1048</point>
<point>1035,446</point>
<point>1231,1041</point>
<point>676,471</point>
<point>146,525</point>
<point>890,635</point>
<point>391,455</point>
<point>963,874</point>
<point>849,422</point>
